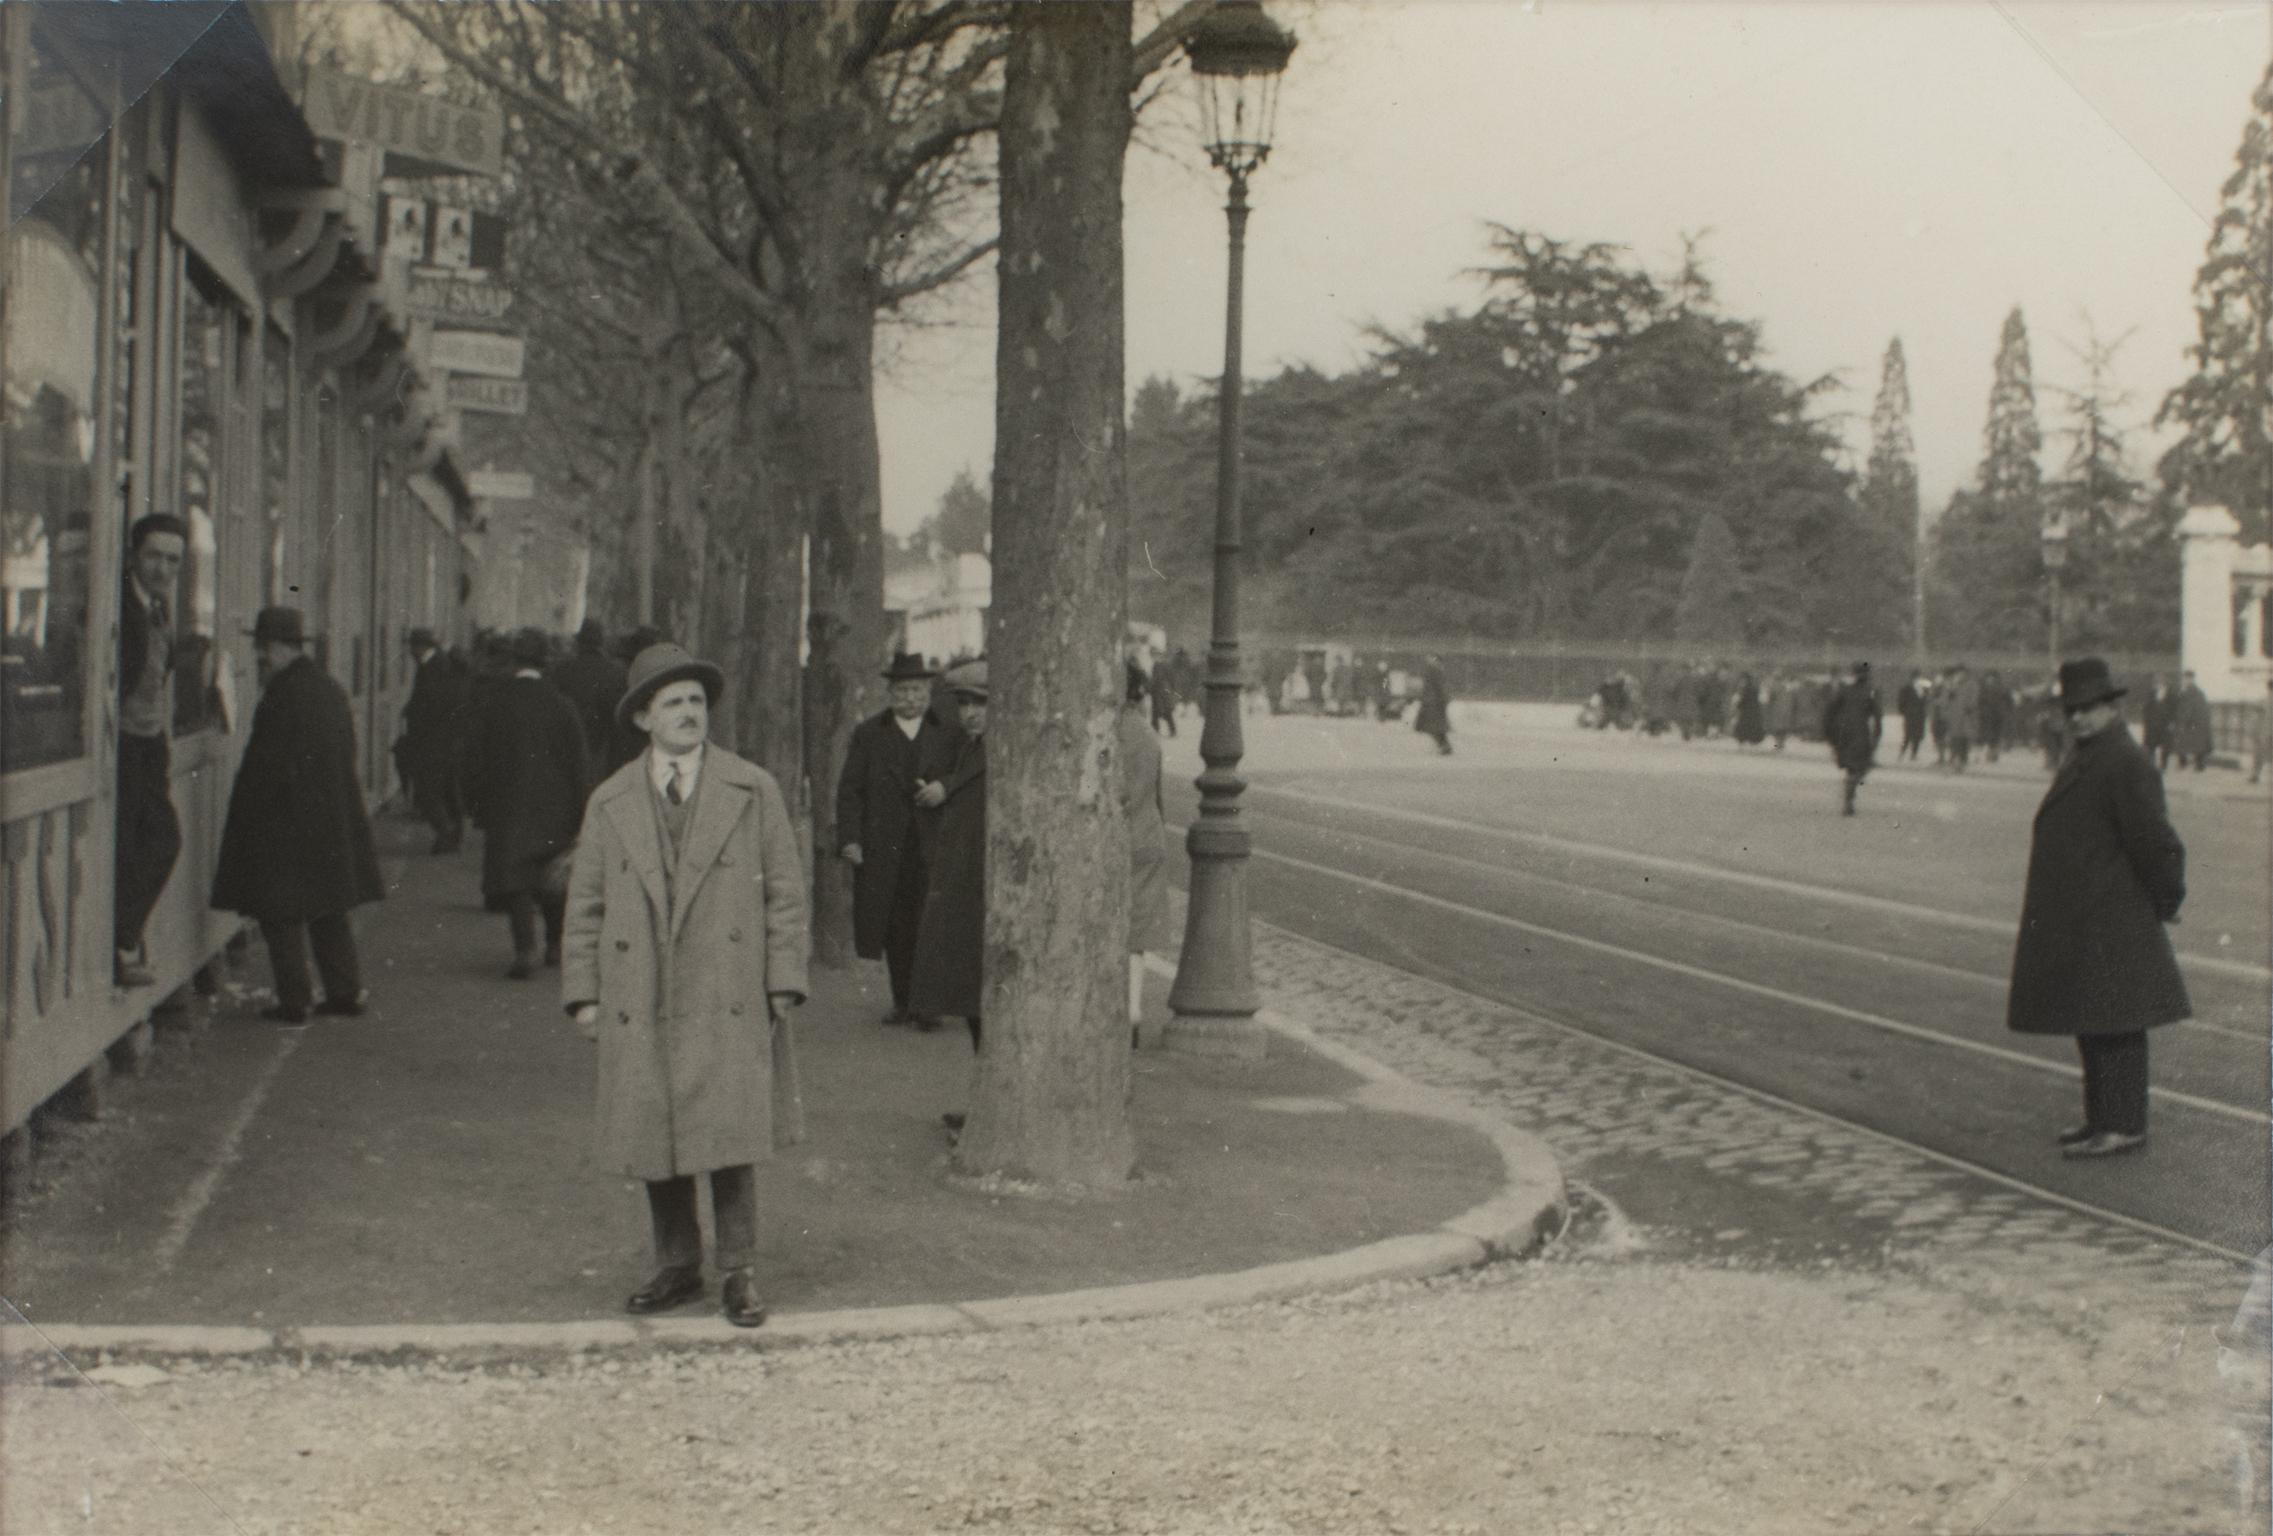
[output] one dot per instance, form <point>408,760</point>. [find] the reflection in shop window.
<point>205,318</point>
<point>49,417</point>
<point>275,457</point>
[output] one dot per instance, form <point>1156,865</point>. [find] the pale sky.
<point>1868,168</point>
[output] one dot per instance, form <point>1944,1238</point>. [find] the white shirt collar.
<point>690,770</point>
<point>908,728</point>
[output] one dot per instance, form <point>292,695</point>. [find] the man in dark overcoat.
<point>296,849</point>
<point>876,813</point>
<point>593,681</point>
<point>433,720</point>
<point>527,774</point>
<point>951,944</point>
<point>1434,718</point>
<point>2191,736</point>
<point>1852,723</point>
<point>2106,871</point>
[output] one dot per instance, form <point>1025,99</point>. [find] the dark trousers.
<point>521,911</point>
<point>334,943</point>
<point>149,835</point>
<point>2115,1082</point>
<point>434,795</point>
<point>1913,736</point>
<point>902,923</point>
<point>733,1214</point>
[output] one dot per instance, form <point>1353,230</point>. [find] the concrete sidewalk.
<point>419,1177</point>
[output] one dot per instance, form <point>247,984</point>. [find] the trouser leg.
<point>288,963</point>
<point>336,961</point>
<point>2115,1081</point>
<point>677,1229</point>
<point>901,925</point>
<point>554,910</point>
<point>521,917</point>
<point>149,836</point>
<point>734,1215</point>
<point>977,1034</point>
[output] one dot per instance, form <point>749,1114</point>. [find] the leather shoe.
<point>344,1007</point>
<point>2106,1144</point>
<point>739,1299</point>
<point>132,973</point>
<point>665,1289</point>
<point>2076,1134</point>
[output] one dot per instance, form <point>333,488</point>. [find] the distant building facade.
<point>942,607</point>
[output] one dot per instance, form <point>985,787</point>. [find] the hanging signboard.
<point>471,392</point>
<point>456,298</point>
<point>502,484</point>
<point>418,132</point>
<point>485,352</point>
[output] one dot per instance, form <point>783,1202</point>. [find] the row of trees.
<point>1596,450</point>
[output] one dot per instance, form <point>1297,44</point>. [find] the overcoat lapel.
<point>2073,768</point>
<point>635,825</point>
<point>718,805</point>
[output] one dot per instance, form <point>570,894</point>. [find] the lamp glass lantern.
<point>2054,539</point>
<point>1238,54</point>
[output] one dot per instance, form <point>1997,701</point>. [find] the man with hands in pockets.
<point>683,956</point>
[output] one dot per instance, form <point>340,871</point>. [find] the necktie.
<point>158,616</point>
<point>671,787</point>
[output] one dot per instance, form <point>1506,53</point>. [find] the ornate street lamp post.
<point>2055,544</point>
<point>1237,55</point>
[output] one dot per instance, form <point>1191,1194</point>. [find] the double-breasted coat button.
<point>623,944</point>
<point>735,1010</point>
<point>734,936</point>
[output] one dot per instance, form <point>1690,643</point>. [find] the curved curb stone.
<point>1528,1210</point>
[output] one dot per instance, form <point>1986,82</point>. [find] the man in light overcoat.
<point>684,955</point>
<point>2106,871</point>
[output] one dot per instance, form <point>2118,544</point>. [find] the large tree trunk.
<point>1052,1102</point>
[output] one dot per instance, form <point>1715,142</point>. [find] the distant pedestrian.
<point>1996,715</point>
<point>2106,872</point>
<point>2154,724</point>
<point>2190,733</point>
<point>592,681</point>
<point>1962,713</point>
<point>1434,718</point>
<point>684,957</point>
<point>296,848</point>
<point>888,754</point>
<point>526,774</point>
<point>434,721</point>
<point>148,832</point>
<point>950,975</point>
<point>2261,736</point>
<point>1145,806</point>
<point>1910,704</point>
<point>1783,712</point>
<point>1164,698</point>
<point>1751,717</point>
<point>1852,723</point>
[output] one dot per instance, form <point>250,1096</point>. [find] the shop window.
<point>275,464</point>
<point>206,321</point>
<point>50,417</point>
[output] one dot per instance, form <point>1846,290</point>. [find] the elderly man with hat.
<point>951,943</point>
<point>876,811</point>
<point>2106,871</point>
<point>684,956</point>
<point>296,849</point>
<point>433,721</point>
<point>526,775</point>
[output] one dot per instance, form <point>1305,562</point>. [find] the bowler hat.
<point>591,635</point>
<point>2086,682</point>
<point>529,648</point>
<point>659,666</point>
<point>421,635</point>
<point>907,667</point>
<point>286,626</point>
<point>967,679</point>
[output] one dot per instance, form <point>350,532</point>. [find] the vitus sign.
<point>427,132</point>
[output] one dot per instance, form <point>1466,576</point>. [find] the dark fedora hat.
<point>2085,682</point>
<point>421,635</point>
<point>907,667</point>
<point>286,626</point>
<point>658,667</point>
<point>530,648</point>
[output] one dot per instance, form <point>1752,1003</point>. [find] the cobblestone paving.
<point>1627,1125</point>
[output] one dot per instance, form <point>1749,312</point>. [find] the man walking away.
<point>685,954</point>
<point>2106,872</point>
<point>1964,716</point>
<point>2154,727</point>
<point>592,681</point>
<point>876,822</point>
<point>1434,717</point>
<point>433,721</point>
<point>296,849</point>
<point>149,837</point>
<point>1852,723</point>
<point>1910,703</point>
<point>950,972</point>
<point>2190,734</point>
<point>526,774</point>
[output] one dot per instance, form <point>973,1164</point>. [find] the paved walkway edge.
<point>1528,1210</point>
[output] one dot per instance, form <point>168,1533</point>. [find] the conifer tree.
<point>2226,406</point>
<point>1987,557</point>
<point>1711,609</point>
<point>1890,482</point>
